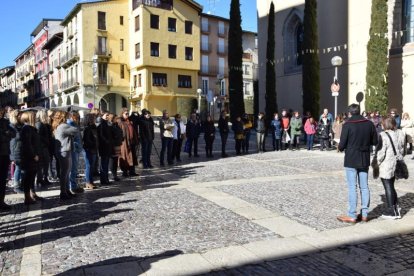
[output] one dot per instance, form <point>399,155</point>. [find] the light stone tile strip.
<point>280,225</point>
<point>31,264</point>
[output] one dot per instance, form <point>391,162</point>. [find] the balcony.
<point>104,81</point>
<point>205,48</point>
<point>70,58</point>
<point>212,70</point>
<point>161,4</point>
<point>105,53</point>
<point>70,85</point>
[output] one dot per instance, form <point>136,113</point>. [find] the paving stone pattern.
<point>110,224</point>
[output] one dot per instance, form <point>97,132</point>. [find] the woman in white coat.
<point>387,161</point>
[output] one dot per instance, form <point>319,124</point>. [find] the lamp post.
<point>95,77</point>
<point>336,61</point>
<point>199,91</point>
<point>214,107</point>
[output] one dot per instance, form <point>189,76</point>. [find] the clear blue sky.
<point>19,18</point>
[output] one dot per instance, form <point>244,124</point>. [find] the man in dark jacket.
<point>105,148</point>
<point>223,126</point>
<point>357,137</point>
<point>193,132</point>
<point>6,134</point>
<point>146,128</point>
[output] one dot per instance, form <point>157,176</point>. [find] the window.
<point>221,66</point>
<point>204,86</point>
<point>221,28</point>
<point>223,87</point>
<point>188,53</point>
<point>102,73</point>
<point>155,21</point>
<point>121,45</point>
<point>155,49</point>
<point>135,81</point>
<point>159,79</point>
<point>204,64</point>
<point>246,69</point>
<point>137,51</point>
<point>188,27</point>
<point>139,80</point>
<point>102,45</point>
<point>101,20</point>
<point>121,20</point>
<point>172,24</point>
<point>246,88</point>
<point>205,47</point>
<point>122,71</point>
<point>184,81</point>
<point>172,51</point>
<point>137,23</point>
<point>204,25</point>
<point>220,49</point>
<point>408,21</point>
<point>293,41</point>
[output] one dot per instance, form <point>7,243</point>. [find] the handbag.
<point>375,167</point>
<point>401,170</point>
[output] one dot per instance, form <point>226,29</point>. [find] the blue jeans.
<point>74,171</point>
<point>17,176</point>
<point>360,177</point>
<point>309,141</point>
<point>103,170</point>
<point>167,143</point>
<point>90,159</point>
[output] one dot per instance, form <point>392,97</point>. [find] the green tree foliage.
<point>376,96</point>
<point>235,56</point>
<point>270,96</point>
<point>310,67</point>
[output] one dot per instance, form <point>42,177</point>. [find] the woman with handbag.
<point>389,150</point>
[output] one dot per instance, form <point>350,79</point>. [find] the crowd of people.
<point>43,145</point>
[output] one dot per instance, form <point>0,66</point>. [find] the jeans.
<point>177,144</point>
<point>17,177</point>
<point>90,159</point>
<point>146,153</point>
<point>260,141</point>
<point>246,142</point>
<point>167,144</point>
<point>309,141</point>
<point>74,170</point>
<point>360,177</point>
<point>277,143</point>
<point>65,162</point>
<point>193,140</point>
<point>103,170</point>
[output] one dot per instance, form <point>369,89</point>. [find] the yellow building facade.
<point>164,55</point>
<point>94,56</point>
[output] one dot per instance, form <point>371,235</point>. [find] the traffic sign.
<point>335,87</point>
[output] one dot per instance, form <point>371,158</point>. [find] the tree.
<point>235,62</point>
<point>310,67</point>
<point>376,96</point>
<point>271,95</point>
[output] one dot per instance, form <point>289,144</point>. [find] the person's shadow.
<point>405,202</point>
<point>136,265</point>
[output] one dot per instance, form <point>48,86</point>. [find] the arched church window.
<point>292,42</point>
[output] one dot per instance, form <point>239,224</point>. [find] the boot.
<point>397,211</point>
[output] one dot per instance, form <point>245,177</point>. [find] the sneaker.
<point>89,186</point>
<point>389,217</point>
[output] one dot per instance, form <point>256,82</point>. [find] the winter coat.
<point>64,134</point>
<point>295,126</point>
<point>105,139</point>
<point>16,144</point>
<point>45,138</point>
<point>90,139</point>
<point>6,134</point>
<point>117,138</point>
<point>261,126</point>
<point>128,142</point>
<point>247,126</point>
<point>357,137</point>
<point>324,129</point>
<point>337,129</point>
<point>30,147</point>
<point>277,128</point>
<point>285,121</point>
<point>376,120</point>
<point>238,130</point>
<point>209,130</point>
<point>407,127</point>
<point>166,127</point>
<point>175,129</point>
<point>310,128</point>
<point>223,125</point>
<point>146,128</point>
<point>385,154</point>
<point>77,139</point>
<point>193,129</point>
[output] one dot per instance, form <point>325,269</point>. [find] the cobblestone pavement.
<point>272,213</point>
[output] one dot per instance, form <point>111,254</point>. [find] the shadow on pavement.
<point>115,266</point>
<point>406,202</point>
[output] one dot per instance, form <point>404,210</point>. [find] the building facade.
<point>25,71</point>
<point>250,64</point>
<point>8,96</point>
<point>165,55</point>
<point>343,30</point>
<point>93,57</point>
<point>46,29</point>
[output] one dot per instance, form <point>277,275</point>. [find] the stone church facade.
<point>343,27</point>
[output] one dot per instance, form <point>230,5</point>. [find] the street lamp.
<point>214,107</point>
<point>199,91</point>
<point>336,61</point>
<point>95,77</point>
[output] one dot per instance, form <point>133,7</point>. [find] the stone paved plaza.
<point>272,213</point>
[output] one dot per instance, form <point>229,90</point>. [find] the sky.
<point>19,18</point>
